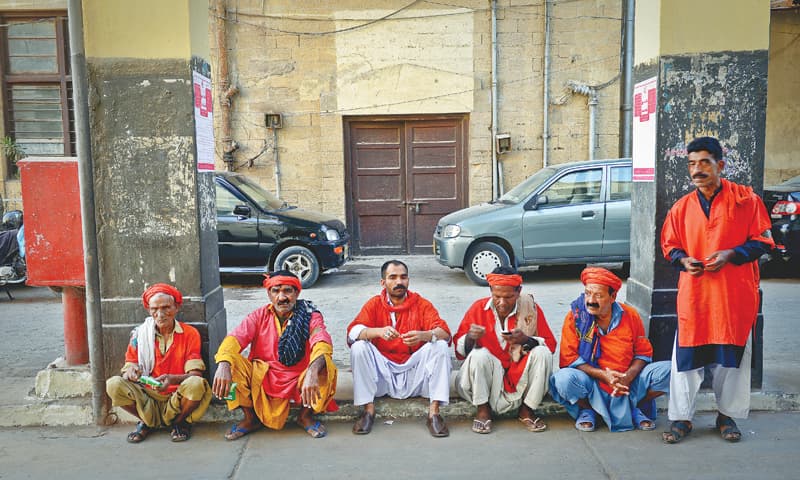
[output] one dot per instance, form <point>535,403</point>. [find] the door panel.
<point>617,234</point>
<point>571,223</point>
<point>237,235</point>
<point>404,176</point>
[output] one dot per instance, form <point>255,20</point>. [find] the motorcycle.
<point>12,251</point>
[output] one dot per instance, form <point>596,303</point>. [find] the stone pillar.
<point>155,210</point>
<point>709,66</point>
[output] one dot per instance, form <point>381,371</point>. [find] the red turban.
<point>274,280</point>
<point>161,288</point>
<point>504,280</point>
<point>600,276</point>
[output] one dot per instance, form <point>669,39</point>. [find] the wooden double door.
<point>404,174</point>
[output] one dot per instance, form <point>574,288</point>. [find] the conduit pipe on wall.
<point>626,104</point>
<point>226,90</point>
<point>94,322</point>
<point>591,94</point>
<point>495,164</point>
<point>546,88</point>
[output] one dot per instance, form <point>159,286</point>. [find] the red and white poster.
<point>644,130</point>
<point>203,122</point>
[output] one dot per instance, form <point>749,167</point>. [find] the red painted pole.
<point>75,340</point>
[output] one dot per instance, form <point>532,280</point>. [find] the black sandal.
<point>677,430</point>
<point>728,429</point>
<point>138,435</point>
<point>180,432</point>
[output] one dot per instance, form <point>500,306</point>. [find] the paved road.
<point>405,450</point>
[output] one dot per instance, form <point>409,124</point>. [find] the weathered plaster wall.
<point>430,58</point>
<point>783,101</point>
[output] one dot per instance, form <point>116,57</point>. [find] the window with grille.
<point>36,85</point>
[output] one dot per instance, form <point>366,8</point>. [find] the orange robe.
<point>415,313</point>
<point>479,315</point>
<point>717,307</point>
<point>618,347</point>
<point>182,355</point>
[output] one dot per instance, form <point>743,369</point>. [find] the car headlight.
<point>451,231</point>
<point>331,234</point>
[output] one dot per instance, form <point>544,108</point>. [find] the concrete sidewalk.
<point>405,450</point>
<point>33,337</point>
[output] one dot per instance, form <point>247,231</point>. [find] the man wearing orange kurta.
<point>606,360</point>
<point>399,346</point>
<point>714,236</point>
<point>507,348</point>
<point>290,362</point>
<point>168,351</point>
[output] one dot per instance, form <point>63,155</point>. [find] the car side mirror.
<point>536,201</point>
<point>241,210</point>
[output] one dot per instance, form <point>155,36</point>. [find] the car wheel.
<point>482,259</point>
<point>300,261</point>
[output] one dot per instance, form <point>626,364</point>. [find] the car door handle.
<point>588,214</point>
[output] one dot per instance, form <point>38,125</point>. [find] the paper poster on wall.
<point>203,121</point>
<point>644,130</point>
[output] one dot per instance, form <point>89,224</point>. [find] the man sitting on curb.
<point>169,352</point>
<point>290,362</point>
<point>399,346</point>
<point>508,350</point>
<point>605,360</point>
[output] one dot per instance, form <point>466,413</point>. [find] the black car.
<point>783,205</point>
<point>259,232</point>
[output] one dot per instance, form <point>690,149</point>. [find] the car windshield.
<point>524,189</point>
<point>256,193</point>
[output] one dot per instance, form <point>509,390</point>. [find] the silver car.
<point>571,213</point>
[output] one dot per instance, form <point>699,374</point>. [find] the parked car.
<point>258,232</point>
<point>564,214</point>
<point>783,205</point>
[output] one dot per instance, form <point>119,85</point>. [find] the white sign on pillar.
<point>203,121</point>
<point>644,130</point>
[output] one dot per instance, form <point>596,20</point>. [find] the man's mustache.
<point>593,304</point>
<point>399,287</point>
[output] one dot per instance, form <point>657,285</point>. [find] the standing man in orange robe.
<point>714,236</point>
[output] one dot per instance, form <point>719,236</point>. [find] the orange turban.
<point>161,288</point>
<point>600,276</point>
<point>504,280</point>
<point>274,280</point>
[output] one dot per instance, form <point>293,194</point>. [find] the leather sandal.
<point>138,435</point>
<point>677,431</point>
<point>728,429</point>
<point>364,423</point>
<point>437,427</point>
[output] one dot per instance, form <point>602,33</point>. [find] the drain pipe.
<point>495,164</point>
<point>94,321</point>
<point>226,90</point>
<point>626,103</point>
<point>548,4</point>
<point>277,165</point>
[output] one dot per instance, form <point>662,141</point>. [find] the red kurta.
<point>716,307</point>
<point>185,346</point>
<point>415,313</point>
<point>478,314</point>
<point>260,330</point>
<point>618,347</point>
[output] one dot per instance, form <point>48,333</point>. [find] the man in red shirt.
<point>399,346</point>
<point>606,360</point>
<point>290,362</point>
<point>714,237</point>
<point>507,348</point>
<point>169,352</point>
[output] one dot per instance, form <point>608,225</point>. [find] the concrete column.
<point>709,60</point>
<point>155,211</point>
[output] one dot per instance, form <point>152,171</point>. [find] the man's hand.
<point>389,332</point>
<point>718,259</point>
<point>416,336</point>
<point>167,380</point>
<point>515,336</point>
<point>476,332</point>
<point>132,373</point>
<point>619,381</point>
<point>693,266</point>
<point>309,392</point>
<point>222,380</point>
